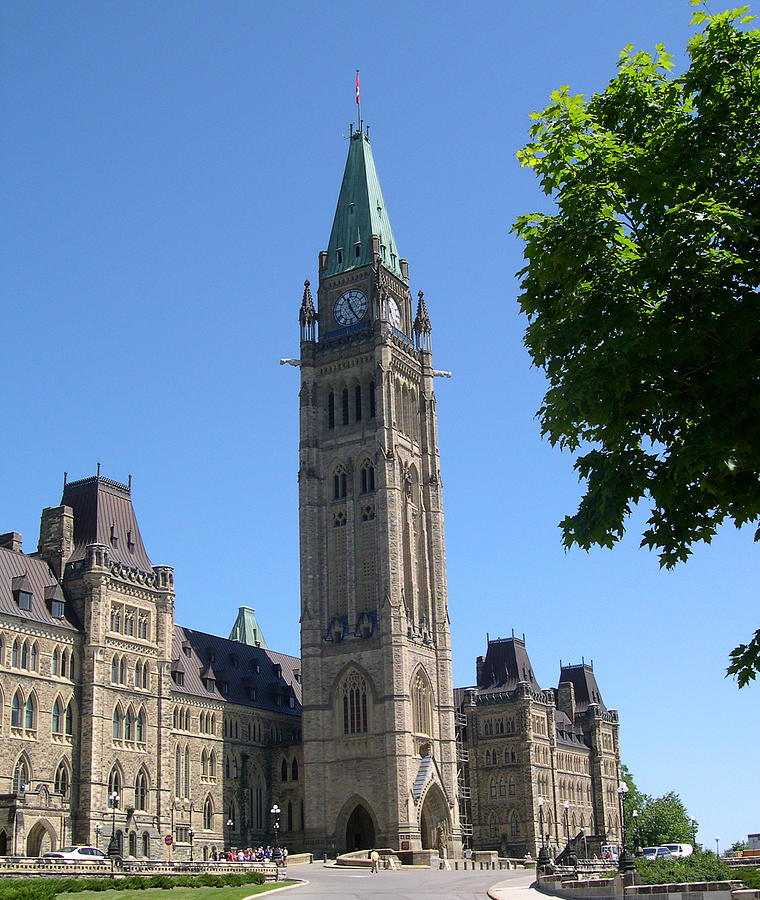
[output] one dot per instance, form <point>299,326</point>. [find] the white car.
<point>77,854</point>
<point>656,853</point>
<point>679,851</point>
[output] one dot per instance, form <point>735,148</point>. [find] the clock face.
<point>394,314</point>
<point>350,307</point>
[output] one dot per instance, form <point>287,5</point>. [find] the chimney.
<point>566,699</point>
<point>11,541</point>
<point>56,542</point>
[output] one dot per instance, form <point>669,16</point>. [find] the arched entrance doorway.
<point>360,832</point>
<point>41,839</point>
<point>435,825</point>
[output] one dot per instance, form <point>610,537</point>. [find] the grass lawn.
<point>182,893</point>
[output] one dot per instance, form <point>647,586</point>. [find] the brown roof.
<point>584,685</point>
<point>237,669</point>
<point>506,664</point>
<point>103,514</point>
<point>35,576</point>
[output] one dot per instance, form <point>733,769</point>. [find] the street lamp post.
<point>566,804</point>
<point>275,811</point>
<point>625,863</point>
<point>636,841</point>
<point>543,853</point>
<point>717,846</point>
<point>191,835</point>
<point>98,829</point>
<point>230,826</point>
<point>694,833</point>
<point>113,844</point>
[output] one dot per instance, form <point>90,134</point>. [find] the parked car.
<point>76,854</point>
<point>679,850</point>
<point>656,853</point>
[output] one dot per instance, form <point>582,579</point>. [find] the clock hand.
<point>353,311</point>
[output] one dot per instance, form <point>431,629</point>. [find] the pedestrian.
<point>375,857</point>
<point>285,857</point>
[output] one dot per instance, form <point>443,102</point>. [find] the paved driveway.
<point>417,884</point>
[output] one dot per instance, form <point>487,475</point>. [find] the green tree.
<point>665,820</point>
<point>641,291</point>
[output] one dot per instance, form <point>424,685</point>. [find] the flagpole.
<point>358,102</point>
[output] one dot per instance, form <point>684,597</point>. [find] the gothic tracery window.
<point>354,704</point>
<point>422,713</point>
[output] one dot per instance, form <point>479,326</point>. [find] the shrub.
<point>694,868</point>
<point>748,874</point>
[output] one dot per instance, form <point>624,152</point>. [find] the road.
<point>415,884</point>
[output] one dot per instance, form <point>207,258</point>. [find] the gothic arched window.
<point>114,782</point>
<point>57,718</point>
<point>55,663</point>
<point>331,410</point>
<point>294,771</point>
<point>422,712</point>
<point>20,775</point>
<point>208,813</point>
<point>358,403</point>
<point>62,779</point>
<point>368,477</point>
<point>140,727</point>
<point>16,705</point>
<point>344,405</point>
<point>284,771</point>
<point>141,790</point>
<point>354,704</point>
<point>30,714</point>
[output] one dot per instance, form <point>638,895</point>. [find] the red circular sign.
<point>169,840</point>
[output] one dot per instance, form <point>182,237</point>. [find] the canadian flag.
<point>357,87</point>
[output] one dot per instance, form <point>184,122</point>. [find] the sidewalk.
<point>518,887</point>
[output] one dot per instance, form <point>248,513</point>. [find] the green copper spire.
<point>361,213</point>
<point>246,629</point>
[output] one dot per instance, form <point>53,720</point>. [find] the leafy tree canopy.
<point>642,293</point>
<point>660,820</point>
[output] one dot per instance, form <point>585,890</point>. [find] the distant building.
<point>522,743</point>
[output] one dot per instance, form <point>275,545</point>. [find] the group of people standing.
<point>260,854</point>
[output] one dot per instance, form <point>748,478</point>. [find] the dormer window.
<point>130,542</point>
<point>357,250</point>
<point>114,537</point>
<point>383,250</point>
<point>22,591</point>
<point>57,609</point>
<point>340,255</point>
<point>252,694</point>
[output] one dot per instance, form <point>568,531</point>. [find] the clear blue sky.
<point>169,172</point>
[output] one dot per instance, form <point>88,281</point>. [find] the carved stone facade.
<point>103,694</point>
<point>534,757</point>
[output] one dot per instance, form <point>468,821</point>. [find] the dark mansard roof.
<point>584,685</point>
<point>217,668</point>
<point>103,514</point>
<point>505,664</point>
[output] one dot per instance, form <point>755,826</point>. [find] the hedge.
<point>694,868</point>
<point>49,888</point>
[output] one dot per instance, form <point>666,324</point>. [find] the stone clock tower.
<point>378,712</point>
